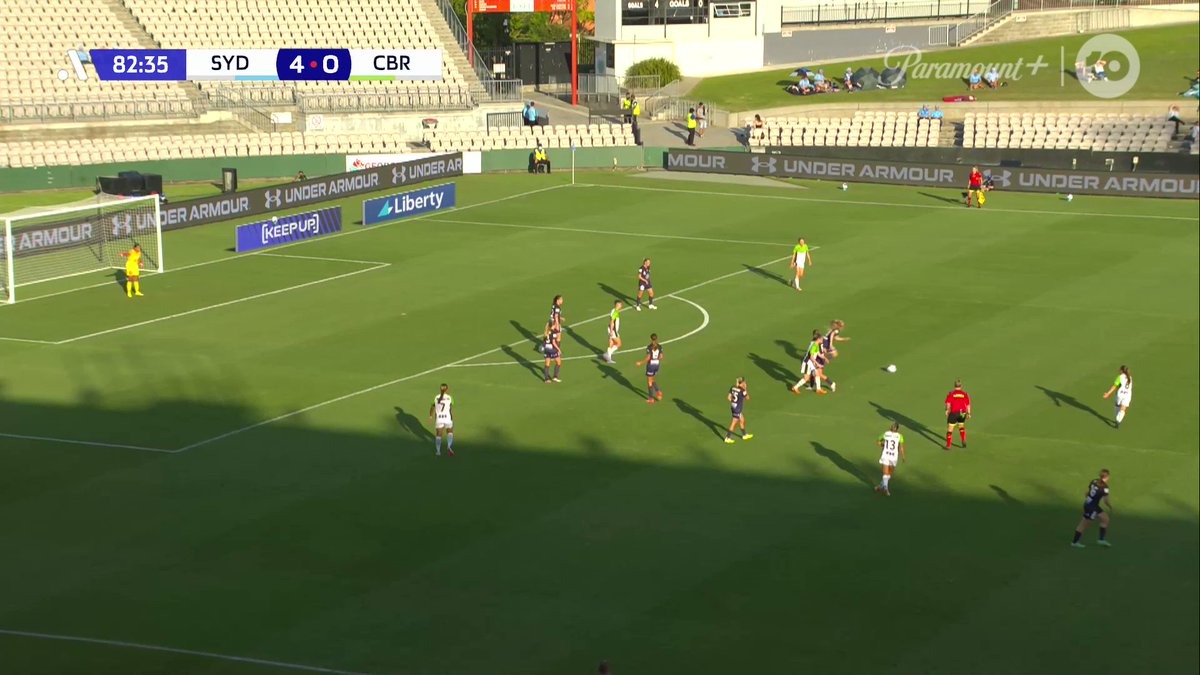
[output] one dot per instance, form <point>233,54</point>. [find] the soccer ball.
<point>1070,197</point>
<point>274,219</point>
<point>891,368</point>
<point>845,187</point>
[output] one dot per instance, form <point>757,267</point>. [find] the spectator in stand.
<point>1099,69</point>
<point>300,175</point>
<point>758,128</point>
<point>530,114</point>
<point>992,77</point>
<point>1173,116</point>
<point>937,113</point>
<point>923,113</point>
<point>820,84</point>
<point>848,80</point>
<point>975,81</point>
<point>803,87</point>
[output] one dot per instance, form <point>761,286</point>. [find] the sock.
<point>886,479</point>
<point>817,380</point>
<point>450,440</point>
<point>437,443</point>
<point>799,384</point>
<point>1103,533</point>
<point>1120,415</point>
<point>962,433</point>
<point>609,352</point>
<point>546,372</point>
<point>743,432</point>
<point>639,301</point>
<point>129,288</point>
<point>1078,534</point>
<point>137,287</point>
<point>949,438</point>
<point>556,366</point>
<point>796,282</point>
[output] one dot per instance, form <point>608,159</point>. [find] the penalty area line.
<point>452,364</point>
<point>176,650</point>
<point>93,444</point>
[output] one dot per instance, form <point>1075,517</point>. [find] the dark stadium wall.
<point>173,171</point>
<point>842,42</point>
<point>560,158</point>
<point>1081,160</point>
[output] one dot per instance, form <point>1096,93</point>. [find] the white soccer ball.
<point>845,186</point>
<point>1070,197</point>
<point>891,368</point>
<point>274,219</point>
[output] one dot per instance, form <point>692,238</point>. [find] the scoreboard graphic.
<point>239,65</point>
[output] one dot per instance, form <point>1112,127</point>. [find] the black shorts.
<point>956,418</point>
<point>550,352</point>
<point>1092,513</point>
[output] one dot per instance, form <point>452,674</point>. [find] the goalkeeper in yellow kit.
<point>133,266</point>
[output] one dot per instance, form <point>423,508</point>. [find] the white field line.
<point>94,444</point>
<point>176,650</point>
<point>326,237</point>
<point>648,235</point>
<point>27,340</point>
<point>384,385</point>
<point>323,259</point>
<point>851,202</point>
<point>703,324</point>
<point>219,305</point>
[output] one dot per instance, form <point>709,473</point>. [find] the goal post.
<point>48,244</point>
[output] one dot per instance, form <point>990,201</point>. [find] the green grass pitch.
<point>307,524</point>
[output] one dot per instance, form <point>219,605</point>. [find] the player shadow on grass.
<point>571,333</point>
<point>842,463</point>
<point>531,366</point>
<point>610,372</point>
<point>694,412</point>
<point>907,422</point>
<point>1060,398</point>
<point>533,338</point>
<point>1004,496</point>
<point>119,277</point>
<point>412,425</point>
<point>616,295</point>
<point>790,349</point>
<point>766,274</point>
<point>940,198</point>
<point>773,369</point>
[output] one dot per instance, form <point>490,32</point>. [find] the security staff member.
<point>691,126</point>
<point>626,106</point>
<point>635,111</point>
<point>541,159</point>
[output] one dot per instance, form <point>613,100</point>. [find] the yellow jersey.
<point>132,263</point>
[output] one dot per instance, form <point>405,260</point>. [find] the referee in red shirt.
<point>975,188</point>
<point>958,411</point>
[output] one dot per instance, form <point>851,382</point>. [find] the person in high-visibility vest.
<point>635,111</point>
<point>541,159</point>
<point>626,108</point>
<point>691,126</point>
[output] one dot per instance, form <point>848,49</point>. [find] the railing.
<point>434,99</point>
<point>881,10</point>
<point>864,12</point>
<point>464,42</point>
<point>495,90</point>
<point>961,32</point>
<point>501,120</point>
<point>71,111</point>
<point>244,111</point>
<point>1102,19</point>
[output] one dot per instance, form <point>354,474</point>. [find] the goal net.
<point>46,244</point>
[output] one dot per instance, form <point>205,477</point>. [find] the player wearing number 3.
<point>133,265</point>
<point>442,412</point>
<point>892,444</point>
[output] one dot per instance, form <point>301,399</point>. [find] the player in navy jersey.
<point>552,351</point>
<point>812,368</point>
<point>738,395</point>
<point>555,318</point>
<point>1097,496</point>
<point>832,337</point>
<point>644,285</point>
<point>653,358</point>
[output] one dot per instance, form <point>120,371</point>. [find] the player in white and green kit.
<point>891,442</point>
<point>614,332</point>
<point>442,415</point>
<point>800,258</point>
<point>1123,385</point>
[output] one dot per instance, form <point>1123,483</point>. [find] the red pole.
<point>575,52</point>
<point>470,36</point>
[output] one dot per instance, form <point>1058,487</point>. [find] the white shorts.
<point>1123,401</point>
<point>444,423</point>
<point>800,263</point>
<point>703,124</point>
<point>888,459</point>
<point>614,334</point>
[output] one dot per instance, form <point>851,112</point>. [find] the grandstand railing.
<point>459,31</point>
<point>244,110</point>
<point>965,30</point>
<point>75,110</point>
<point>869,11</point>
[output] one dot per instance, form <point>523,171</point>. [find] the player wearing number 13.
<point>892,444</point>
<point>442,413</point>
<point>133,265</point>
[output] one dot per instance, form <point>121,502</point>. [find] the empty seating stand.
<point>1103,132</point>
<point>865,128</point>
<point>526,138</point>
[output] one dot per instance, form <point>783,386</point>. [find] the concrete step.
<point>452,50</point>
<point>142,39</point>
